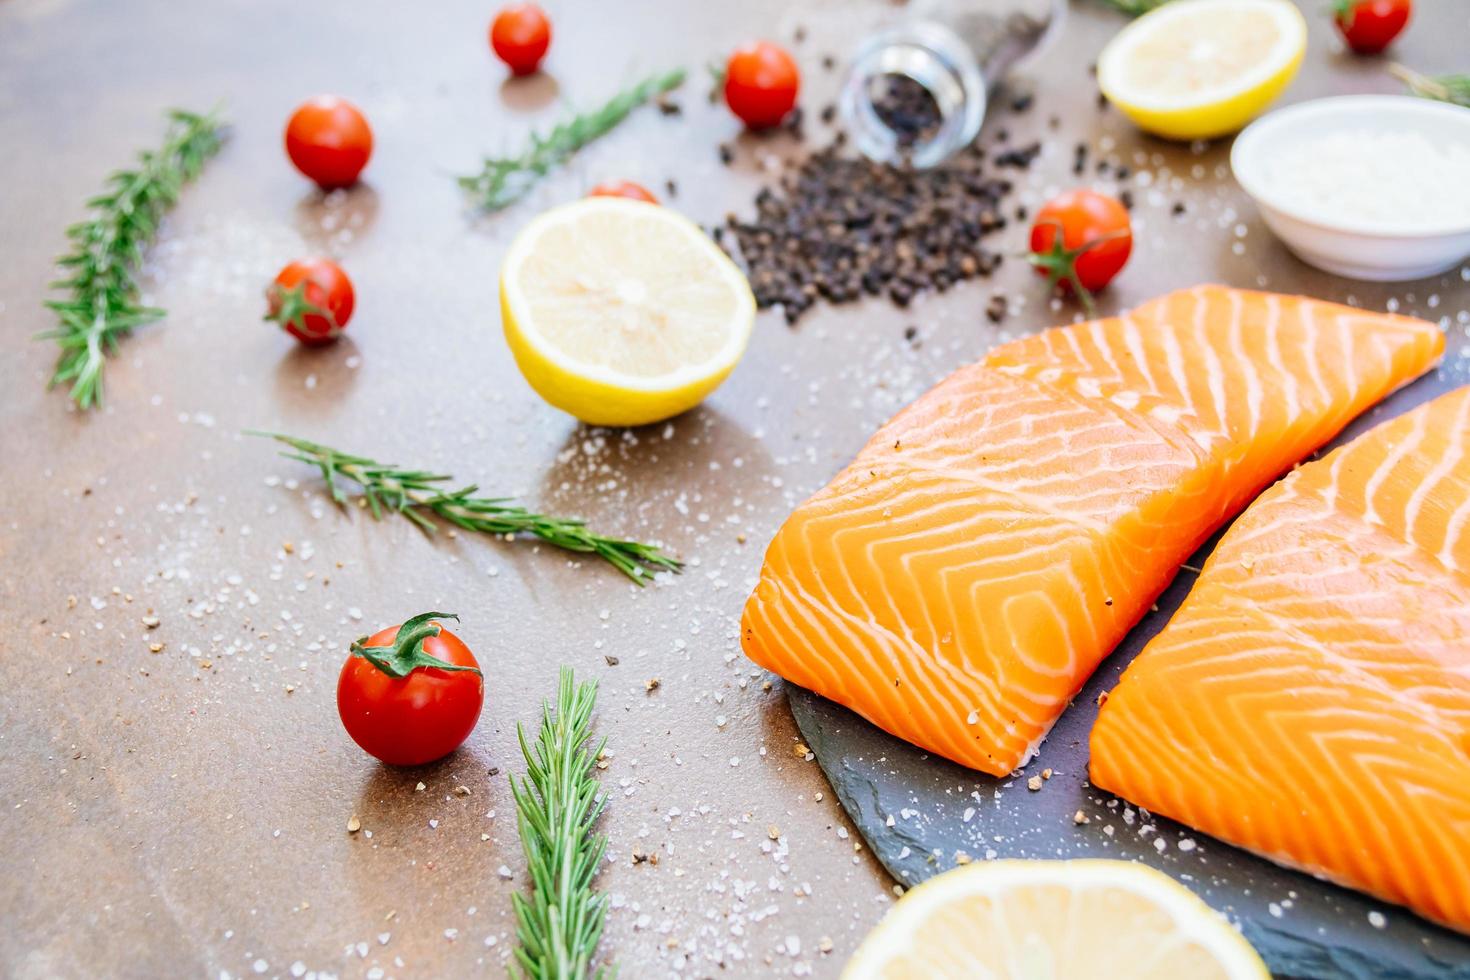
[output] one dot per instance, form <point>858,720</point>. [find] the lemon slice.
<point>1053,920</point>
<point>1196,69</point>
<point>621,312</point>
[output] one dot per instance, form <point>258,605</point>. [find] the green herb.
<point>502,180</point>
<point>1454,89</point>
<point>557,804</point>
<point>717,74</point>
<point>107,250</point>
<point>1134,8</point>
<point>417,493</point>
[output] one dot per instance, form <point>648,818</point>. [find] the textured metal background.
<point>166,818</point>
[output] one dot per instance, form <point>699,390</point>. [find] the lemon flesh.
<point>1197,69</point>
<point>622,313</point>
<point>1053,920</point>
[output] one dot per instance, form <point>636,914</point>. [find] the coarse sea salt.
<point>1373,177</point>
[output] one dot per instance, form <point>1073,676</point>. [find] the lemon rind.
<point>892,937</point>
<point>1219,111</point>
<point>517,319</point>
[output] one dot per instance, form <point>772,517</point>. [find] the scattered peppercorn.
<point>906,107</point>
<point>793,123</point>
<point>838,229</point>
<point>1018,157</point>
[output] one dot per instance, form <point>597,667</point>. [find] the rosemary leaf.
<point>557,805</point>
<point>418,493</point>
<point>101,287</point>
<point>1454,89</point>
<point>503,180</point>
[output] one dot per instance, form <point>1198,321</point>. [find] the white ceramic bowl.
<point>1350,245</point>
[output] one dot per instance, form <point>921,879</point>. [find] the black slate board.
<point>916,810</point>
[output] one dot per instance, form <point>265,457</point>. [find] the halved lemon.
<point>621,312</point>
<point>1197,69</point>
<point>1053,920</point>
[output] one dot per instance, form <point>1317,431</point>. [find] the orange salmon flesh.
<point>961,579</point>
<point>1310,701</point>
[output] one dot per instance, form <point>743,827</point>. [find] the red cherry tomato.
<point>312,300</point>
<point>520,35</point>
<point>329,141</point>
<point>1096,238</point>
<point>623,188</point>
<point>1369,26</point>
<point>761,82</point>
<point>410,694</point>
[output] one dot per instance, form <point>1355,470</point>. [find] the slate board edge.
<point>1288,954</point>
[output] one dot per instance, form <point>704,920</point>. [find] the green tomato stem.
<point>406,653</point>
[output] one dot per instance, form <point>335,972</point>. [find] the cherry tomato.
<point>623,188</point>
<point>1369,26</point>
<point>329,141</point>
<point>761,82</point>
<point>312,300</point>
<point>410,694</point>
<point>520,35</point>
<point>1096,238</point>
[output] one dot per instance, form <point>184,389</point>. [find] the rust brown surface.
<point>184,813</point>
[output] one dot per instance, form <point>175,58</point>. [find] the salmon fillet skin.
<point>1310,700</point>
<point>959,581</point>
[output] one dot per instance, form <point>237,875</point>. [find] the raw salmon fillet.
<point>960,580</point>
<point>1310,701</point>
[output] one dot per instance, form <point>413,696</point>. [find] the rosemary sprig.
<point>557,805</point>
<point>107,250</point>
<point>502,180</point>
<point>1454,89</point>
<point>417,493</point>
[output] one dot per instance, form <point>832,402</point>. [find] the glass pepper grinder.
<point>917,89</point>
